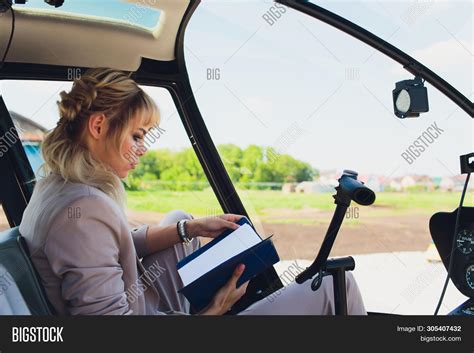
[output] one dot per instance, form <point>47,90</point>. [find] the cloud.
<point>444,56</point>
<point>446,53</point>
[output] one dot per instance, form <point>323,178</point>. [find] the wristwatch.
<point>183,234</point>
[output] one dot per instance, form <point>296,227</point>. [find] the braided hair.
<point>105,91</point>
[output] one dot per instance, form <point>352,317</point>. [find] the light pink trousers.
<point>293,299</point>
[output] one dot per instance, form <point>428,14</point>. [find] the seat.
<point>11,300</point>
<point>15,258</point>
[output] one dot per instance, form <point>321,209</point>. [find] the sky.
<point>275,77</point>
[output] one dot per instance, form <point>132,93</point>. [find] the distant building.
<point>407,181</point>
<point>307,187</point>
<point>454,183</point>
<point>373,182</point>
<point>326,182</point>
<point>288,188</point>
<point>446,184</point>
<point>426,182</point>
<point>459,181</point>
<point>436,182</point>
<point>31,134</point>
<point>396,185</point>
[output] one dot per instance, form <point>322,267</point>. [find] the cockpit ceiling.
<point>55,37</point>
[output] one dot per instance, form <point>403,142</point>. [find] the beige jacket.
<point>85,253</point>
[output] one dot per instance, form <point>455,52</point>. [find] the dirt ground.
<point>364,235</point>
<point>385,234</point>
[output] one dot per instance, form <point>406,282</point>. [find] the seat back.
<point>11,300</point>
<point>15,258</point>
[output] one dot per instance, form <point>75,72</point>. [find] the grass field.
<point>202,203</point>
<point>395,222</point>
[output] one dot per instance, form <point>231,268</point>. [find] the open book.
<point>209,268</point>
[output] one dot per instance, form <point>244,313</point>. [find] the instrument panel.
<point>442,231</point>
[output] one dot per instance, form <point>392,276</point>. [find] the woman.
<point>77,231</point>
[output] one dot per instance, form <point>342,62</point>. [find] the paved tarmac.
<point>400,283</point>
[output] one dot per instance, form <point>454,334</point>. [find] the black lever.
<point>352,189</point>
<point>349,189</point>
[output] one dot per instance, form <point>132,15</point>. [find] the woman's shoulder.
<point>61,192</point>
<point>55,199</point>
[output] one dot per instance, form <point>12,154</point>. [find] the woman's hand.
<point>212,226</point>
<point>227,295</point>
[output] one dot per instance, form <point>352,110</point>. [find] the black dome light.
<point>410,98</point>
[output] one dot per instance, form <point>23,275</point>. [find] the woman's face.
<point>133,147</point>
<point>126,158</point>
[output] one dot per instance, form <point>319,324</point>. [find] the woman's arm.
<point>83,251</point>
<point>162,237</point>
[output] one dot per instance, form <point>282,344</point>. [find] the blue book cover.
<point>256,258</point>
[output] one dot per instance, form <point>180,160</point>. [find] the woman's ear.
<point>97,126</point>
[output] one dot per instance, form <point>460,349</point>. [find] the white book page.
<point>238,241</point>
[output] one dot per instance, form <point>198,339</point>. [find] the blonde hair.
<point>107,91</point>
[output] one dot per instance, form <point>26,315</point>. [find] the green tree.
<point>252,157</point>
<point>231,156</point>
<point>185,168</point>
<point>252,164</point>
